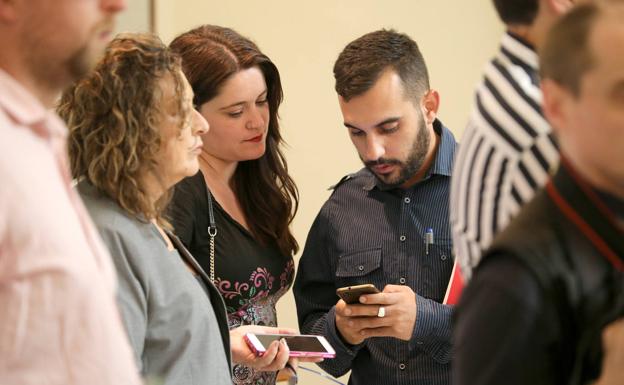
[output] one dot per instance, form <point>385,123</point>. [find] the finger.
<point>279,359</point>
<point>363,310</point>
<point>613,329</point>
<point>285,331</point>
<point>360,323</point>
<point>341,307</point>
<point>293,362</point>
<point>396,289</point>
<point>282,356</point>
<point>267,358</point>
<point>377,332</point>
<point>380,298</point>
<point>311,359</point>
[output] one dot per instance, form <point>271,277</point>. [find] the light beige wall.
<point>304,38</point>
<point>135,18</point>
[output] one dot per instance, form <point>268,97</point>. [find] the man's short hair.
<point>363,61</point>
<point>518,12</point>
<point>566,55</point>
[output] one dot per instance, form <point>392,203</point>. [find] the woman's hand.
<point>276,355</point>
<point>273,359</point>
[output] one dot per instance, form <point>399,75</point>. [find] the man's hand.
<point>399,303</point>
<point>345,319</point>
<point>358,322</point>
<point>613,357</point>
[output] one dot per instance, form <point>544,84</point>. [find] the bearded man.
<point>386,225</point>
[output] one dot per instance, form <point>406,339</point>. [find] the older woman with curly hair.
<point>133,135</point>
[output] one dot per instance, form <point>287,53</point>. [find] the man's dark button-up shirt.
<point>367,234</point>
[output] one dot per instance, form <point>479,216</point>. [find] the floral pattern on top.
<point>253,303</point>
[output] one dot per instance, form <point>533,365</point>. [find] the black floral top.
<point>250,277</point>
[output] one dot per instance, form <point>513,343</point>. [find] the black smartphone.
<point>351,294</point>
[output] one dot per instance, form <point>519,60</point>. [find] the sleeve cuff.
<point>432,331</point>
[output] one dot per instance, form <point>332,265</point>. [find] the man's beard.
<point>411,166</point>
<point>84,59</point>
<point>81,63</point>
<point>60,74</point>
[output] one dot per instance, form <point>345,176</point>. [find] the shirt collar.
<point>578,202</point>
<point>614,203</point>
<point>442,164</point>
<point>25,110</point>
<point>519,51</point>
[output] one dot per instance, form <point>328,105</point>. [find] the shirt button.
<point>443,257</point>
<point>402,366</point>
<point>419,342</point>
<point>407,200</point>
<point>360,268</point>
<point>402,238</point>
<point>402,281</point>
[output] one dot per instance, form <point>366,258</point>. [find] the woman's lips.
<point>196,149</point>
<point>255,139</point>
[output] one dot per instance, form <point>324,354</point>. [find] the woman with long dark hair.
<point>234,215</point>
<point>133,134</point>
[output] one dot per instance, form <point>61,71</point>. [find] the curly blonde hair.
<point>113,116</point>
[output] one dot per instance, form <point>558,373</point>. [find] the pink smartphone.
<point>299,345</point>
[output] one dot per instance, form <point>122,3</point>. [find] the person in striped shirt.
<point>546,304</point>
<point>507,148</point>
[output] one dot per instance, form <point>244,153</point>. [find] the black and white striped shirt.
<point>506,152</point>
<point>367,234</point>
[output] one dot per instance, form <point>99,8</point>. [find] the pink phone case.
<point>312,354</point>
<point>292,353</point>
<point>253,347</point>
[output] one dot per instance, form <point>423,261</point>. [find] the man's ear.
<point>556,104</point>
<point>431,104</point>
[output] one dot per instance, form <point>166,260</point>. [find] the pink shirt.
<point>59,322</point>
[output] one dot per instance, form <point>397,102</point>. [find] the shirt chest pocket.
<point>436,269</point>
<point>442,250</point>
<point>360,267</point>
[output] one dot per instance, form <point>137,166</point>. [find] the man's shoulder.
<point>361,178</point>
<point>533,237</point>
<point>348,191</point>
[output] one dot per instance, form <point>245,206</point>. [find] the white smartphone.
<point>299,345</point>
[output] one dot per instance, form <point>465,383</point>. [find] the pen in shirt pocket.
<point>428,239</point>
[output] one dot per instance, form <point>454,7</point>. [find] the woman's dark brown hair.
<point>113,116</point>
<point>268,195</point>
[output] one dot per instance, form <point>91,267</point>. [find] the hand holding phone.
<point>299,345</point>
<point>275,357</point>
<point>347,326</point>
<point>388,314</point>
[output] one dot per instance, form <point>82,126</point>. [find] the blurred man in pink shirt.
<point>59,323</point>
